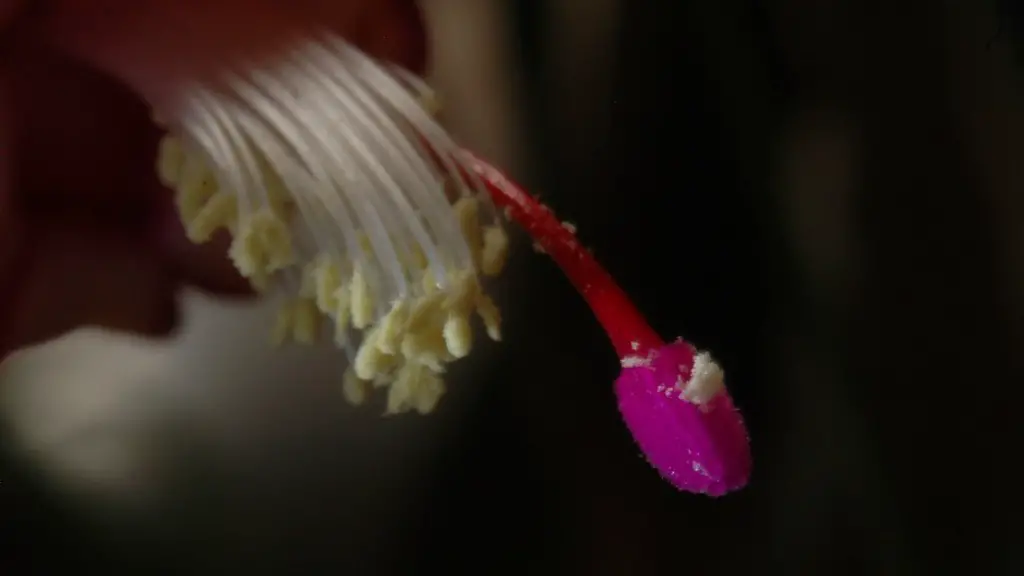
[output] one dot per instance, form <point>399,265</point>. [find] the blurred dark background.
<point>827,194</point>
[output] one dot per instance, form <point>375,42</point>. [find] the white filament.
<point>314,144</point>
<point>270,125</point>
<point>354,147</point>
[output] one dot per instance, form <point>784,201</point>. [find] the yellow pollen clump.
<point>297,321</point>
<point>406,343</point>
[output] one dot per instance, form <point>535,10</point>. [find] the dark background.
<point>823,193</point>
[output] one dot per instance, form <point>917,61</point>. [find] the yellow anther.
<point>458,335</point>
<point>415,387</point>
<point>370,362</point>
<point>392,327</point>
<point>282,325</point>
<point>262,246</point>
<point>220,211</point>
<point>326,280</point>
<point>467,211</point>
<point>306,322</point>
<point>490,314</point>
<point>297,321</point>
<point>495,251</point>
<point>353,388</point>
<point>195,186</point>
<point>362,304</point>
<point>170,159</point>
<point>427,348</point>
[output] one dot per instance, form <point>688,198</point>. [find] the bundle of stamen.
<point>342,194</point>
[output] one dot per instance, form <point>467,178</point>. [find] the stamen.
<point>324,154</point>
